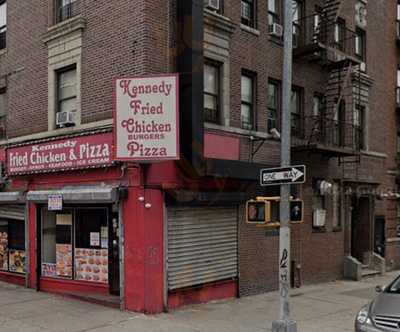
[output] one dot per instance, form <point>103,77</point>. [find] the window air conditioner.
<point>319,218</point>
<point>276,30</point>
<point>213,4</point>
<point>65,118</point>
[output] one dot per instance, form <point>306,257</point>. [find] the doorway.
<point>380,238</point>
<point>361,227</point>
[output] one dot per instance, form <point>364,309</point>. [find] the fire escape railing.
<point>328,132</point>
<point>317,32</point>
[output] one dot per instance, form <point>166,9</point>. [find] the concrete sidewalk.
<point>329,307</point>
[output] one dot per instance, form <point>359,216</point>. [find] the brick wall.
<point>118,40</point>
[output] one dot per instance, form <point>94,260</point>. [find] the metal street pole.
<point>285,324</point>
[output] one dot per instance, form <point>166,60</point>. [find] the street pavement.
<point>329,307</point>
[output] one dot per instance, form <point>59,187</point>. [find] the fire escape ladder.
<point>350,164</point>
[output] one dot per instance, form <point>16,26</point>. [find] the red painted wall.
<point>13,278</point>
<point>71,286</point>
<point>221,147</point>
<point>143,230</point>
<point>32,281</point>
<point>202,295</point>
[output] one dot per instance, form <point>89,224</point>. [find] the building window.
<point>248,13</point>
<point>247,109</point>
<point>318,117</point>
<point>273,105</point>
<point>398,9</point>
<point>360,47</point>
<point>398,146</point>
<point>274,12</point>
<point>317,24</point>
<point>215,5</point>
<point>67,91</point>
<point>3,113</point>
<point>3,24</point>
<point>297,15</point>
<point>318,105</point>
<point>12,245</point>
<point>340,34</point>
<point>212,92</point>
<point>66,9</point>
<point>296,111</point>
<point>74,244</point>
<point>359,127</point>
<point>339,124</point>
<point>336,206</point>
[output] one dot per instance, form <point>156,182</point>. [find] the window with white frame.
<point>359,126</point>
<point>3,24</point>
<point>273,104</point>
<point>67,90</point>
<point>66,9</point>
<point>212,91</point>
<point>274,12</point>
<point>247,108</point>
<point>248,13</point>
<point>297,15</point>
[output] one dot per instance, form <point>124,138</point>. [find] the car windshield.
<point>394,287</point>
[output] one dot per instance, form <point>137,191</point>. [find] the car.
<point>383,313</point>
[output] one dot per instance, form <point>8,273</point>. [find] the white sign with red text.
<point>146,118</point>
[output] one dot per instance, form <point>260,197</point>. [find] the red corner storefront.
<point>73,221</point>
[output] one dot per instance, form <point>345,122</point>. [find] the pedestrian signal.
<point>257,212</point>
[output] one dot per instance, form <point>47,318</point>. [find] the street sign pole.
<point>285,324</point>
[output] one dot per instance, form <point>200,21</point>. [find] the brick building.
<point>149,237</point>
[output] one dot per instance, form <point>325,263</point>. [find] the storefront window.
<point>75,244</point>
<point>12,245</point>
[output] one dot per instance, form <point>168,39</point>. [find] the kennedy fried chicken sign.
<point>146,118</point>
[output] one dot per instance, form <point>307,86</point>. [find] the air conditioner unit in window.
<point>66,118</point>
<point>275,29</point>
<point>213,4</point>
<point>319,218</point>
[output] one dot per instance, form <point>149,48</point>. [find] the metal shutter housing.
<point>12,212</point>
<point>202,245</point>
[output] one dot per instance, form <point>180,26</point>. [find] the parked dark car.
<point>383,313</point>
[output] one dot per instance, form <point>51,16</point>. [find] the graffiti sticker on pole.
<point>146,118</point>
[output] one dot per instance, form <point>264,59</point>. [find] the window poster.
<point>17,261</point>
<point>104,237</point>
<point>64,260</point>
<point>49,270</point>
<point>94,239</point>
<point>3,251</point>
<point>91,265</point>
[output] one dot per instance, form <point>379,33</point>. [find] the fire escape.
<point>333,129</point>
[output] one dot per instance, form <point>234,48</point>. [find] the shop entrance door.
<point>114,253</point>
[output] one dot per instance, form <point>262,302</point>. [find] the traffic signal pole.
<point>285,324</point>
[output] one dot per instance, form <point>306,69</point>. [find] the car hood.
<point>386,304</point>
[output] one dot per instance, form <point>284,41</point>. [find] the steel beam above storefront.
<point>91,194</point>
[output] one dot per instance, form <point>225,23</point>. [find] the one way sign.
<point>283,175</point>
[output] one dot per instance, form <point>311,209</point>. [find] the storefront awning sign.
<point>146,118</point>
<point>88,151</point>
<point>55,202</point>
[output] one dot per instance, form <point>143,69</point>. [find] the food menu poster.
<point>91,265</point>
<point>64,260</point>
<point>3,251</point>
<point>17,261</point>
